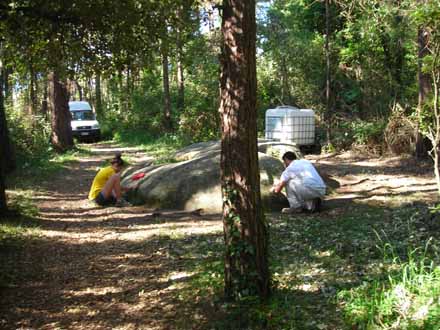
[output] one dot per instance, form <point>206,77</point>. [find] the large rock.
<point>194,182</point>
<point>272,148</point>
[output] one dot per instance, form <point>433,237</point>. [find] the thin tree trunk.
<point>245,231</point>
<point>8,157</point>
<point>166,91</point>
<point>327,73</point>
<point>4,141</point>
<point>60,116</point>
<point>44,103</point>
<point>79,90</point>
<point>435,139</point>
<point>8,99</point>
<point>285,92</point>
<point>181,85</point>
<point>121,98</point>
<point>128,89</point>
<point>180,74</point>
<point>98,106</point>
<point>33,92</point>
<point>424,84</point>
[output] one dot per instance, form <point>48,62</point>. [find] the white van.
<point>84,123</point>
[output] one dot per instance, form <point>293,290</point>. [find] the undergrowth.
<point>160,148</point>
<point>407,298</point>
<point>17,227</point>
<point>34,168</point>
<point>328,273</point>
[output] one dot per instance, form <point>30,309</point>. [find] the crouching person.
<point>304,187</point>
<point>106,187</point>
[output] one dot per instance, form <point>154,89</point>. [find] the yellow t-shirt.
<point>100,180</point>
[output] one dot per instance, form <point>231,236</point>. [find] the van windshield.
<point>82,115</point>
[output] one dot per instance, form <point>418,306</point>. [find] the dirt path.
<point>121,268</point>
<point>98,268</point>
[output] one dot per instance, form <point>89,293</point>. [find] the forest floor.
<point>135,268</point>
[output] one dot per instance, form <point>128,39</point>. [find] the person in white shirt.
<point>304,187</point>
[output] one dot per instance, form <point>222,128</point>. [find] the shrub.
<point>408,298</point>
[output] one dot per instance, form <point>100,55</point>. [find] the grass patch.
<point>408,298</point>
<point>17,228</point>
<point>161,148</point>
<point>318,262</point>
<point>32,170</point>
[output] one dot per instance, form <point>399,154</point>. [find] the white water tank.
<point>290,124</point>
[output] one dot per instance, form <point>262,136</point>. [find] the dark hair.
<point>289,155</point>
<point>117,160</point>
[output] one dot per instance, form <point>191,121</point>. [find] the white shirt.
<point>303,171</point>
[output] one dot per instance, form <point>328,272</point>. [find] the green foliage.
<point>407,299</point>
<point>365,133</point>
<point>161,148</point>
<point>30,137</point>
<point>348,133</point>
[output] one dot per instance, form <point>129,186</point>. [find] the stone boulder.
<point>194,181</point>
<point>271,148</point>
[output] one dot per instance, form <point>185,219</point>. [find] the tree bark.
<point>98,105</point>
<point>180,75</point>
<point>44,103</point>
<point>61,137</point>
<point>424,84</point>
<point>285,90</point>
<point>328,115</point>
<point>4,141</point>
<point>33,92</point>
<point>8,156</point>
<point>166,91</point>
<point>245,229</point>
<point>8,99</point>
<point>79,89</point>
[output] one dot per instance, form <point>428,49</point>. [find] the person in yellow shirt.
<point>106,186</point>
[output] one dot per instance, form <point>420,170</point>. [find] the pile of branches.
<point>399,133</point>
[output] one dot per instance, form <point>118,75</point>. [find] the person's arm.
<point>278,187</point>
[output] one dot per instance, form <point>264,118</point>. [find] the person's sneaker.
<point>122,203</point>
<point>291,210</point>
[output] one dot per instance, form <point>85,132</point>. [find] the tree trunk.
<point>44,105</point>
<point>327,73</point>
<point>8,153</point>
<point>245,229</point>
<point>435,131</point>
<point>424,84</point>
<point>166,91</point>
<point>98,105</point>
<point>121,98</point>
<point>79,90</point>
<point>4,141</point>
<point>180,75</point>
<point>285,91</point>
<point>33,92</point>
<point>128,89</point>
<point>8,99</point>
<point>60,116</point>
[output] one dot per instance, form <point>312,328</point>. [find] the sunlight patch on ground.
<point>93,291</point>
<point>114,150</point>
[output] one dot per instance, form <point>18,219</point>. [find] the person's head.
<point>288,157</point>
<point>117,162</point>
